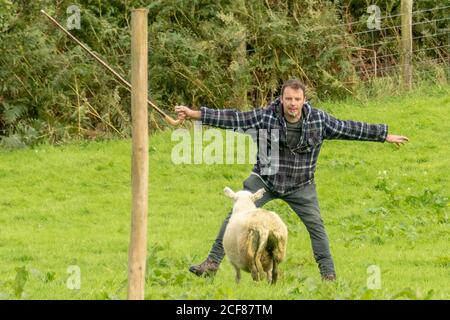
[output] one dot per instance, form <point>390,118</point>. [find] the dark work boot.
<point>207,268</point>
<point>329,277</point>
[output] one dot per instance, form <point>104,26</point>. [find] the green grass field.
<point>383,206</point>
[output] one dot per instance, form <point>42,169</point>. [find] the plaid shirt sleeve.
<point>353,130</point>
<point>232,119</point>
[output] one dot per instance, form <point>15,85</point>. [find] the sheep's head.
<point>244,194</point>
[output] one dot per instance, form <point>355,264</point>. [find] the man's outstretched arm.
<point>225,119</point>
<point>354,130</point>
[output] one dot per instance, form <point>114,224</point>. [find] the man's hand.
<point>398,140</point>
<point>184,112</point>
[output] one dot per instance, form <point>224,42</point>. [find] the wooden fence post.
<point>406,55</point>
<point>241,58</point>
<point>139,167</point>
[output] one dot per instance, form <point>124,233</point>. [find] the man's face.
<point>292,100</point>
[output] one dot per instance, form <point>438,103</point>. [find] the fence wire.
<point>384,55</point>
<point>381,18</point>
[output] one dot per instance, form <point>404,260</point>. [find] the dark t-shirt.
<point>294,131</point>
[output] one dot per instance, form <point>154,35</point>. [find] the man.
<point>302,130</point>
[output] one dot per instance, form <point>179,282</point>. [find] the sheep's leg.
<point>238,274</point>
<point>269,272</point>
<point>261,247</point>
<point>254,271</point>
<point>260,269</point>
<point>252,247</point>
<point>274,272</point>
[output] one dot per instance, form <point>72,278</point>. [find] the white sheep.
<point>255,239</point>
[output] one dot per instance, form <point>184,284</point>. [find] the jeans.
<point>305,204</point>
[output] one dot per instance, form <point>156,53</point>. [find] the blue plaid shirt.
<point>296,164</point>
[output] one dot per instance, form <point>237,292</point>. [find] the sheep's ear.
<point>229,193</point>
<point>258,194</point>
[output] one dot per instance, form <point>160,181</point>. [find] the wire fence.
<point>378,52</point>
<point>393,27</point>
<point>363,21</point>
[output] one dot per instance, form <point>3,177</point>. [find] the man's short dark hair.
<point>294,84</point>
